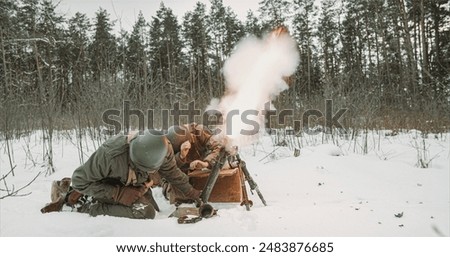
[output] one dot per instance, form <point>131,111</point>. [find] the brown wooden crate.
<point>227,187</point>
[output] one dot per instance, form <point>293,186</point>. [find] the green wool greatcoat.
<point>108,167</point>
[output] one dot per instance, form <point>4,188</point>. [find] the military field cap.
<point>177,135</point>
<point>147,152</point>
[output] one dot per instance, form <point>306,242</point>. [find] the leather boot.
<point>59,191</point>
<point>60,188</point>
<point>54,206</point>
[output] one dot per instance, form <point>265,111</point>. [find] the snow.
<point>332,189</point>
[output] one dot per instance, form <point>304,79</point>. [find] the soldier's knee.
<point>141,211</point>
<point>150,212</point>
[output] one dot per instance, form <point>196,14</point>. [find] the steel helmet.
<point>147,152</point>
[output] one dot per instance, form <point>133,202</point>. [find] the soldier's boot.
<point>72,199</point>
<point>58,195</point>
<point>54,206</point>
<point>60,189</point>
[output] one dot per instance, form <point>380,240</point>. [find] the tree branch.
<point>15,192</point>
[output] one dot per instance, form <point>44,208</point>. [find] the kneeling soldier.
<point>116,179</point>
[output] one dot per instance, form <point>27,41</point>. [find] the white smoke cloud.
<point>254,76</point>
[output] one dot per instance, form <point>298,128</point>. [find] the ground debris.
<point>399,215</point>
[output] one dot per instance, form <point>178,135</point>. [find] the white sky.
<point>125,11</point>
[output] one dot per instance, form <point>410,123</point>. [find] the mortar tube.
<point>206,211</point>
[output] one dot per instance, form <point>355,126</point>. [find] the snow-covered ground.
<point>330,189</point>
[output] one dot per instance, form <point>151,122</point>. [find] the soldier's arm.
<point>170,171</point>
<point>214,148</point>
<point>205,138</point>
<point>180,162</point>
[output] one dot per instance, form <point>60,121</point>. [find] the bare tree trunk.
<point>46,115</point>
<point>426,67</point>
<point>409,50</point>
<point>4,63</point>
<point>439,91</point>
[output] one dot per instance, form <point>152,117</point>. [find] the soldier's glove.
<point>128,195</point>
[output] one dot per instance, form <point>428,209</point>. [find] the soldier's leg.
<point>60,191</point>
<point>136,211</point>
<point>144,208</point>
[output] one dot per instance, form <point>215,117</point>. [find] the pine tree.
<point>103,50</point>
<point>303,33</point>
<point>136,60</point>
<point>274,13</point>
<point>10,95</point>
<point>27,18</point>
<point>8,21</point>
<point>410,70</point>
<point>354,46</point>
<point>328,36</point>
<point>197,42</point>
<point>79,27</point>
<point>234,31</point>
<point>56,72</point>
<point>439,13</point>
<point>225,31</point>
<point>252,25</point>
<point>217,33</point>
<point>165,52</point>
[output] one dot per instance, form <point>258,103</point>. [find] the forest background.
<point>387,61</point>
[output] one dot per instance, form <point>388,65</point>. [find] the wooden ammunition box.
<point>227,188</point>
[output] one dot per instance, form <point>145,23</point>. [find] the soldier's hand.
<point>128,195</point>
<point>198,164</point>
<point>194,194</point>
<point>184,149</point>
